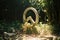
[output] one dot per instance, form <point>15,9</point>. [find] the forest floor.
<point>38,37</point>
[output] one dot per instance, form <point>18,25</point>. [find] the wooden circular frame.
<point>34,10</point>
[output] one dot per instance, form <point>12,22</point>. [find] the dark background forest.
<point>11,12</point>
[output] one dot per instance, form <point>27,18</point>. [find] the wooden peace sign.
<point>30,18</point>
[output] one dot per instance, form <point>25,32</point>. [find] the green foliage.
<point>46,28</point>
<point>7,26</point>
<point>33,31</point>
<point>40,5</point>
<point>56,29</point>
<point>1,38</point>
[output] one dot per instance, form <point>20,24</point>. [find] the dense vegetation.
<point>11,12</point>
